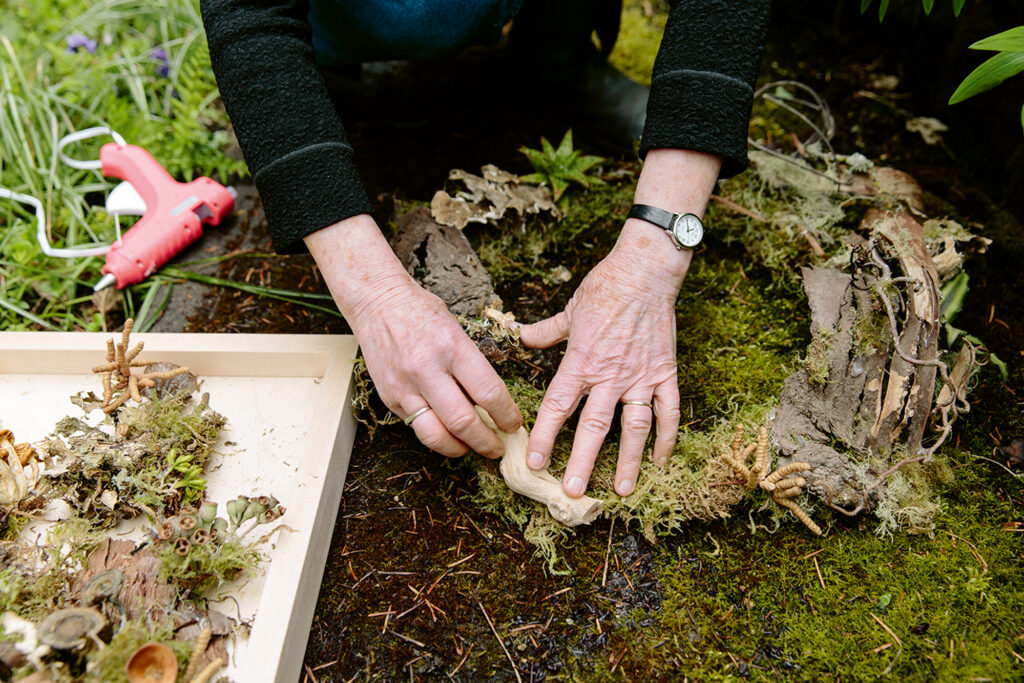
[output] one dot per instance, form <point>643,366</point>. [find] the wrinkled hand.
<point>416,352</point>
<point>620,326</point>
<point>418,355</point>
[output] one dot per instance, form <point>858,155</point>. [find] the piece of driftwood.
<point>875,397</point>
<point>539,485</point>
<point>441,259</point>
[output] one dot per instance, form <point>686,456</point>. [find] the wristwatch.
<point>685,229</point>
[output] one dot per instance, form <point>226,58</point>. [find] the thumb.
<point>546,333</point>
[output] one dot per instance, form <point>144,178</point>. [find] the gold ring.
<point>637,403</point>
<point>419,412</point>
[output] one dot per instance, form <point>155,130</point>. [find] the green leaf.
<point>864,4</point>
<point>1007,41</point>
<point>953,294</point>
<point>565,147</point>
<point>883,7</point>
<point>998,362</point>
<point>558,187</point>
<point>549,151</point>
<point>990,74</point>
<point>957,6</point>
<point>952,334</point>
<point>928,4</point>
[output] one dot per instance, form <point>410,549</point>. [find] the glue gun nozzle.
<point>105,281</point>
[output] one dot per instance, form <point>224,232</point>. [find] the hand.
<point>621,329</point>
<point>416,352</point>
<point>620,325</point>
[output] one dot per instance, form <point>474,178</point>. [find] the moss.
<point>747,605</point>
<point>206,567</point>
<point>108,665</point>
<point>816,362</point>
<point>638,41</point>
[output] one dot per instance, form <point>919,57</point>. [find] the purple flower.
<point>79,41</point>
<point>163,68</point>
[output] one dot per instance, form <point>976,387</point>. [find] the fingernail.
<point>625,487</point>
<point>574,487</point>
<point>512,325</point>
<point>535,461</point>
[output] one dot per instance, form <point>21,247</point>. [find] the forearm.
<point>358,265</point>
<point>289,131</point>
<point>702,86</point>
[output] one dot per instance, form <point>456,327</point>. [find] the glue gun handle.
<point>138,167</point>
<point>149,244</point>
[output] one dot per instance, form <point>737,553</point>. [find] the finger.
<point>459,417</point>
<point>560,400</point>
<point>595,421</point>
<point>433,435</point>
<point>636,425</point>
<point>546,333</point>
<point>484,386</point>
<point>666,415</point>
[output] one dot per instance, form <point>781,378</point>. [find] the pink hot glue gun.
<point>172,213</point>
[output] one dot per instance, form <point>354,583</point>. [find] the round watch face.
<point>688,230</point>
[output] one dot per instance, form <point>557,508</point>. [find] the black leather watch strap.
<point>652,214</point>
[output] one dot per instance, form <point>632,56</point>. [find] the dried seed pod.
<point>206,674</point>
<point>198,650</point>
<point>165,531</point>
<point>768,483</point>
<point>218,528</point>
<point>182,546</point>
<point>236,508</point>
<point>201,537</point>
<point>791,482</point>
<point>271,515</point>
<point>207,513</point>
<point>68,629</point>
<point>253,509</point>
<point>152,663</point>
<point>800,514</point>
<point>737,439</point>
<point>267,501</point>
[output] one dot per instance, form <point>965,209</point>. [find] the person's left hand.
<point>620,326</point>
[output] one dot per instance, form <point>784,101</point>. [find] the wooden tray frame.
<point>276,645</point>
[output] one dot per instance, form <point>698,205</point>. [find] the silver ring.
<point>419,412</point>
<point>637,403</point>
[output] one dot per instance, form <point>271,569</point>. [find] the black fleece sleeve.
<point>290,133</point>
<point>702,87</point>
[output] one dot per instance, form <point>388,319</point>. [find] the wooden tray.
<point>287,400</point>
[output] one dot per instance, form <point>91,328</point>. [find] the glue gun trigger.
<point>125,200</point>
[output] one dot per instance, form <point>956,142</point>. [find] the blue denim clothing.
<point>352,31</point>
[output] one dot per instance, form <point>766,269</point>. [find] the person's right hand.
<point>416,352</point>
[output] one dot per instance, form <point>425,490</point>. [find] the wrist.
<point>648,250</point>
<point>357,264</point>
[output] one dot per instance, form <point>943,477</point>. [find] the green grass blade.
<point>1007,41</point>
<point>990,74</point>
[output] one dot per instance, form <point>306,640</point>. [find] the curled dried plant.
<point>782,487</point>
<point>116,373</point>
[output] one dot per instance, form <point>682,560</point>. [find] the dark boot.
<point>553,58</point>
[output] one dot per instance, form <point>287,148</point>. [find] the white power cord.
<point>44,242</point>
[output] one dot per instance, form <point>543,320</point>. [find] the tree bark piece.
<point>539,485</point>
<point>441,259</point>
